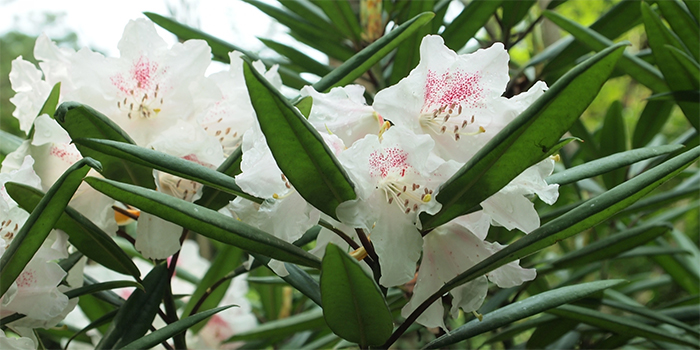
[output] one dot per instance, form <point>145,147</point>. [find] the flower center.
<point>396,179</point>
<point>447,119</point>
<point>137,105</point>
<point>140,86</point>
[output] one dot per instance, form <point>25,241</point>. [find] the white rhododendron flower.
<point>395,177</point>
<point>450,97</point>
<point>343,112</point>
<point>450,250</point>
<point>11,343</point>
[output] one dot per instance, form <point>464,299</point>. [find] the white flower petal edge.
<point>448,251</point>
<point>21,343</point>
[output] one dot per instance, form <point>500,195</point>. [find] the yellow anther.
<point>359,253</point>
<point>426,198</point>
<point>556,157</point>
<point>276,196</point>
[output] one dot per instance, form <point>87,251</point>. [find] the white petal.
<point>47,130</point>
<point>21,343</point>
<point>157,238</point>
<point>512,210</point>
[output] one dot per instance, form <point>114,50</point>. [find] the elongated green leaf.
<point>97,287</point>
<point>51,102</point>
<point>649,251</point>
<point>620,325</point>
<point>311,12</point>
<point>353,305</point>
<point>522,142</point>
<point>304,106</point>
<point>676,77</point>
<point>172,329</point>
<point>227,259</point>
<point>205,221</point>
<point>637,68</point>
<point>582,217</point>
<point>41,221</point>
<point>341,15</point>
<point>651,314</point>
<point>408,52</point>
<point>165,162</point>
<point>361,62</point>
<point>521,309</point>
<point>650,122</point>
<point>298,279</point>
<point>612,245</point>
<point>299,150</point>
<point>103,320</point>
<point>613,139</point>
<point>134,318</point>
<point>82,233</point>
<point>683,25</point>
<point>82,121</point>
<point>691,67</point>
<point>298,58</point>
<point>284,327</point>
<point>468,22</point>
<point>215,199</point>
<point>620,18</point>
<point>513,13</point>
<point>9,142</point>
<point>611,162</point>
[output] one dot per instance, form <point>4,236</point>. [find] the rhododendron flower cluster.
<point>397,152</point>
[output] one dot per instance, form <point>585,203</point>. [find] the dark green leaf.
<point>582,217</point>
<point>93,288</point>
<point>171,330</point>
<point>513,13</point>
<point>650,250</point>
<point>677,79</point>
<point>468,22</point>
<point>134,318</point>
<point>612,246</point>
<point>207,222</point>
<point>353,305</point>
<point>215,199</point>
<point>638,69</point>
<point>408,53</point>
<point>299,150</point>
<point>522,142</point>
<point>650,122</point>
<point>41,221</point>
<point>51,102</point>
<point>360,63</point>
<point>227,259</point>
<point>177,166</point>
<point>613,139</point>
<point>651,314</point>
<point>304,106</point>
<point>684,96</point>
<point>82,233</point>
<point>521,309</point>
<point>298,58</point>
<point>620,325</point>
<point>603,165</point>
<point>694,7</point>
<point>683,25</point>
<point>82,121</point>
<point>284,327</point>
<point>341,15</point>
<point>9,142</point>
<point>691,67</point>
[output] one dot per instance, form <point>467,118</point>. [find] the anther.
<point>404,188</point>
<point>405,203</point>
<point>408,210</point>
<point>391,200</point>
<point>456,137</point>
<point>443,129</point>
<point>228,130</point>
<point>464,124</point>
<point>472,119</point>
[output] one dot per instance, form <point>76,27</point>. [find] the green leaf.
<point>101,321</point>
<point>353,305</point>
<point>522,142</point>
<point>134,318</point>
<point>612,246</point>
<point>650,314</point>
<point>677,79</point>
<point>408,52</point>
<point>620,325</point>
<point>468,22</point>
<point>691,67</point>
<point>342,16</point>
<point>613,139</point>
<point>297,147</point>
<point>622,17</point>
<point>298,279</point>
<point>361,62</point>
<point>93,288</point>
<point>82,121</point>
<point>205,221</point>
<point>177,166</point>
<point>215,199</point>
<point>41,221</point>
<point>167,332</point>
<point>298,58</point>
<point>283,328</point>
<point>650,250</point>
<point>9,142</point>
<point>513,13</point>
<point>82,233</point>
<point>638,69</point>
<point>694,8</point>
<point>51,102</point>
<point>227,259</point>
<point>611,162</point>
<point>581,218</point>
<point>650,122</point>
<point>683,25</point>
<point>304,106</point>
<point>521,309</point>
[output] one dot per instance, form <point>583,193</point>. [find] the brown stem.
<point>369,247</point>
